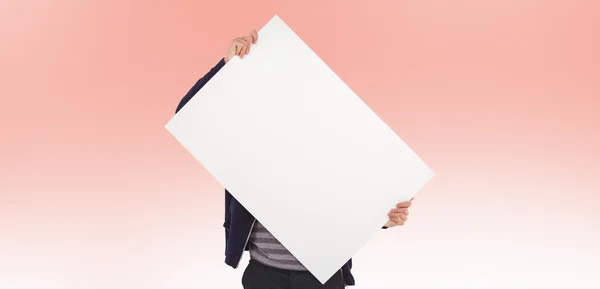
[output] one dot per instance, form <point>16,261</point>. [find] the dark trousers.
<point>259,276</point>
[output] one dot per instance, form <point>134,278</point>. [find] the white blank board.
<point>299,150</point>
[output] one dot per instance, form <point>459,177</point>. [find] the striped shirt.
<point>265,249</point>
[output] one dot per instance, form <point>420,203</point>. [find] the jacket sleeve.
<point>199,84</point>
<point>227,214</point>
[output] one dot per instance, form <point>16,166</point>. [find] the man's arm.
<point>199,84</point>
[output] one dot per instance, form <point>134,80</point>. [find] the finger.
<point>398,215</point>
<point>247,44</point>
<point>238,46</point>
<point>397,221</point>
<point>393,215</point>
<point>403,210</point>
<point>248,40</point>
<point>242,48</point>
<point>242,51</point>
<point>254,36</point>
<point>403,205</point>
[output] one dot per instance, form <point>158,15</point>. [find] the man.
<point>271,265</point>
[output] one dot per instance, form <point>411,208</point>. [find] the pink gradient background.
<point>499,97</point>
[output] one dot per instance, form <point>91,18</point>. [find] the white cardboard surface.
<point>303,153</point>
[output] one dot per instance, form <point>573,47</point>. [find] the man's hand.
<point>399,214</point>
<point>240,46</point>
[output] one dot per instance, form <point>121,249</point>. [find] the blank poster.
<point>299,149</point>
